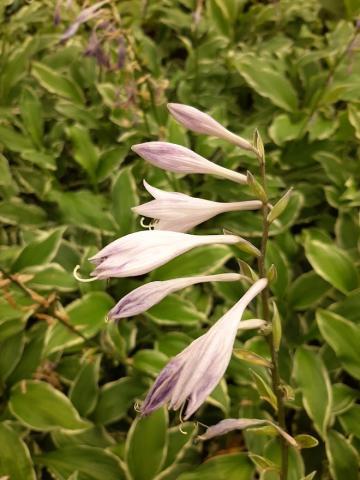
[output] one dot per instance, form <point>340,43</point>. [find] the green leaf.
<point>51,277</point>
<point>201,261</point>
<point>343,398</point>
<point>84,209</point>
<point>14,140</point>
<point>276,327</point>
<point>56,83</point>
<point>264,389</point>
<point>175,310</point>
<point>313,380</point>
<point>39,251</point>
<point>343,337</point>
<point>306,441</point>
<point>233,466</point>
<point>32,115</point>
<point>15,460</point>
<point>267,81</point>
<point>146,445</point>
<point>115,399</point>
<point>86,314</point>
<point>15,211</point>
<point>350,421</point>
<point>284,128</point>
<point>124,197</point>
<point>279,207</point>
<point>149,361</point>
<point>92,463</point>
<point>332,264</point>
<point>275,256</point>
<point>307,290</point>
<point>342,457</point>
<point>40,406</point>
<point>220,397</point>
<point>179,442</point>
<point>84,391</point>
<point>11,351</point>
<point>85,152</point>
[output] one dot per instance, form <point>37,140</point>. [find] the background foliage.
<point>69,113</point>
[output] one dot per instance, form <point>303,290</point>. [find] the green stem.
<point>275,376</point>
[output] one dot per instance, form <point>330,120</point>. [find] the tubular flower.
<point>148,295</point>
<point>83,17</point>
<point>177,158</point>
<point>229,424</point>
<point>179,212</point>
<point>140,252</point>
<point>194,373</point>
<point>200,122</point>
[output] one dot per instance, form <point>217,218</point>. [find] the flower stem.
<point>275,376</point>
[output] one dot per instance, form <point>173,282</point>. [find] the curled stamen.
<point>145,225</point>
<point>80,279</point>
<point>137,407</point>
<point>181,430</point>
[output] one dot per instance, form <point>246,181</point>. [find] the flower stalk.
<point>265,299</point>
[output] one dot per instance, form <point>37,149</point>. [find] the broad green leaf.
<point>220,397</point>
<point>115,399</point>
<point>275,256</point>
<point>124,197</point>
<point>84,151</point>
<point>11,351</point>
<point>40,406</point>
<point>332,264</point>
<point>149,361</point>
<point>83,209</point>
<point>267,81</point>
<point>342,457</point>
<point>350,421</point>
<point>231,466</point>
<point>313,380</point>
<point>146,445</point>
<point>307,290</point>
<point>51,277</point>
<point>200,261</point>
<point>32,115</point>
<point>343,337</point>
<point>343,398</point>
<point>296,465</point>
<point>179,442</point>
<point>92,463</point>
<point>86,314</point>
<point>15,212</point>
<point>39,251</point>
<point>15,460</point>
<point>14,140</point>
<point>284,128</point>
<point>84,391</point>
<point>175,310</point>
<point>57,83</point>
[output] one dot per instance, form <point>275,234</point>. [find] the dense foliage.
<point>70,110</point>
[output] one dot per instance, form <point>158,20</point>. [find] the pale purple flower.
<point>201,122</point>
<point>148,295</point>
<point>177,158</point>
<point>194,373</point>
<point>140,252</point>
<point>179,212</point>
<point>229,424</point>
<point>84,16</point>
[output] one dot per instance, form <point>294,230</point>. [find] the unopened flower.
<point>95,49</point>
<point>84,16</point>
<point>180,213</point>
<point>229,424</point>
<point>140,252</point>
<point>201,122</point>
<point>194,373</point>
<point>148,295</point>
<point>177,158</point>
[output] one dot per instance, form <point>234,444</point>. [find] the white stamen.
<point>80,279</point>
